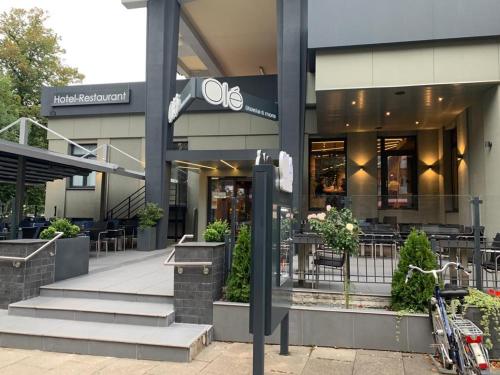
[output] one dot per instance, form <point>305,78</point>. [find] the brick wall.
<point>195,292</point>
<point>22,283</point>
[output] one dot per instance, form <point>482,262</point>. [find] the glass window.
<point>83,182</point>
<point>327,174</point>
<point>221,192</point>
<point>451,163</point>
<point>397,172</point>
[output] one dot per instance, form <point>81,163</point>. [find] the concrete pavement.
<point>223,358</point>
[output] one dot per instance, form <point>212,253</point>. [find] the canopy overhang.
<point>42,165</point>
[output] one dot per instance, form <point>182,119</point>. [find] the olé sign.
<point>217,93</point>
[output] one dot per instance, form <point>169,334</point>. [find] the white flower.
<point>328,208</point>
<point>311,216</point>
<point>349,227</point>
<point>321,216</point>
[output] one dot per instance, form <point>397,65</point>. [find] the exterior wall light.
<point>460,157</point>
<point>488,145</point>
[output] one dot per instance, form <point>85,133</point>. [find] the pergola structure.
<point>24,165</point>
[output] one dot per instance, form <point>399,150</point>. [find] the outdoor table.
<point>304,244</point>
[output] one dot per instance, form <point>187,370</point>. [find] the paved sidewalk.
<point>222,358</point>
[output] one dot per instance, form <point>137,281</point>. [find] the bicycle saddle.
<point>453,291</point>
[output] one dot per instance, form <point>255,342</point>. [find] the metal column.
<point>161,71</point>
<point>17,209</point>
<point>478,268</point>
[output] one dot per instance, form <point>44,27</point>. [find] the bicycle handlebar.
<point>458,266</point>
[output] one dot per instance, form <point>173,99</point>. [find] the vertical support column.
<point>17,209</point>
<point>161,71</point>
<point>23,131</point>
<point>478,269</point>
<point>292,64</point>
<point>104,187</point>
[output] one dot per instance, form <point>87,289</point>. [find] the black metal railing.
<point>129,206</point>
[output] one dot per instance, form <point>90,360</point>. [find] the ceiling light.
<point>417,122</point>
<point>388,113</point>
<point>195,165</point>
<point>261,71</point>
<point>440,98</point>
<point>347,125</point>
<point>229,165</point>
<point>353,102</point>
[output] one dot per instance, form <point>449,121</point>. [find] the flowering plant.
<point>338,228</point>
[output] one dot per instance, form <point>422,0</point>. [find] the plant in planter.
<point>238,287</point>
<point>216,231</point>
<point>488,317</point>
<point>148,218</point>
<point>340,231</point>
<point>68,229</point>
<point>72,251</point>
<point>414,295</point>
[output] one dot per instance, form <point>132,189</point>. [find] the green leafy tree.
<point>68,229</point>
<point>414,295</point>
<point>30,57</point>
<point>238,287</point>
<point>149,215</point>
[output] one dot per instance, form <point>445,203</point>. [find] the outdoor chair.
<point>327,258</point>
<point>492,263</point>
<point>115,236</point>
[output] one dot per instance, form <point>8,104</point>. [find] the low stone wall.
<point>195,291</point>
<point>310,326</point>
<point>17,284</point>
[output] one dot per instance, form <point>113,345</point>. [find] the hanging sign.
<point>217,93</point>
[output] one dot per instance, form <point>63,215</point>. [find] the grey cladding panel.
<point>341,23</point>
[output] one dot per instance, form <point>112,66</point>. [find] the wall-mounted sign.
<point>217,93</point>
<point>115,95</point>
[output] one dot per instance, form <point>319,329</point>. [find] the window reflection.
<point>327,174</point>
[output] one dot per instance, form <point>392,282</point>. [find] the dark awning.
<point>44,165</point>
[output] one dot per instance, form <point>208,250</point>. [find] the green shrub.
<point>414,295</point>
<point>238,286</point>
<point>216,231</point>
<point>60,225</point>
<point>149,215</point>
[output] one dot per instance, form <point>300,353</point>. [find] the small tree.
<point>68,229</point>
<point>414,295</point>
<point>238,287</point>
<point>149,215</point>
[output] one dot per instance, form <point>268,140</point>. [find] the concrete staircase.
<point>97,322</point>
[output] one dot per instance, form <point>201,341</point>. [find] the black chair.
<point>492,265</point>
<point>327,258</point>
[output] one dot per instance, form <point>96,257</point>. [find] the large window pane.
<point>397,172</point>
<point>327,174</point>
<point>84,182</point>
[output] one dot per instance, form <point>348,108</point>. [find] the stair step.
<point>177,342</point>
<point>98,310</point>
<point>56,291</point>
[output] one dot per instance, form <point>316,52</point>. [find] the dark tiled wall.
<point>195,292</point>
<point>22,283</point>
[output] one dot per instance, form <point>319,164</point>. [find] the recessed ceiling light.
<point>353,102</point>
<point>440,98</point>
<point>417,122</point>
<point>347,125</point>
<point>388,113</point>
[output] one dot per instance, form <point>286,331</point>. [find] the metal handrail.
<point>18,260</point>
<point>171,255</point>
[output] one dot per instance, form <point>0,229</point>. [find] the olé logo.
<point>217,93</point>
<point>174,108</point>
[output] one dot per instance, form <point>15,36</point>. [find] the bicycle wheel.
<point>439,335</point>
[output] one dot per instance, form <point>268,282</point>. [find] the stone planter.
<point>332,327</point>
<point>146,239</point>
<point>72,257</point>
<point>475,315</point>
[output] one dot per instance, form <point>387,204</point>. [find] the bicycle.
<point>458,341</point>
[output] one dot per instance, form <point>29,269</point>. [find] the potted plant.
<point>146,234</point>
<point>72,250</point>
<point>238,286</point>
<point>216,231</point>
<point>340,232</point>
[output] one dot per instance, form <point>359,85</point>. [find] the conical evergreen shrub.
<point>414,295</point>
<point>238,287</point>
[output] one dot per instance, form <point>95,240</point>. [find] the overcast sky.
<point>103,39</point>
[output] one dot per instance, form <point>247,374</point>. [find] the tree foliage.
<point>238,287</point>
<point>414,295</point>
<point>216,231</point>
<point>30,58</point>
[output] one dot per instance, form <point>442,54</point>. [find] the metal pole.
<point>233,231</point>
<point>477,242</point>
<point>284,328</point>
